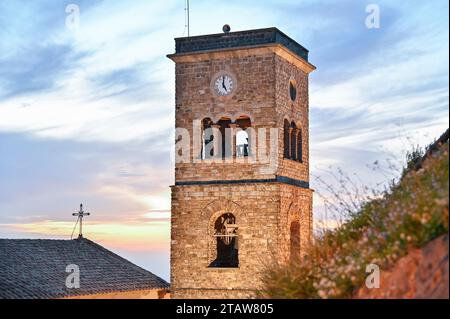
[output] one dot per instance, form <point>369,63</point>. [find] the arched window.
<point>224,146</point>
<point>295,241</point>
<point>293,137</point>
<point>225,231</point>
<point>293,90</point>
<point>299,146</point>
<point>207,139</point>
<point>242,141</point>
<point>286,139</point>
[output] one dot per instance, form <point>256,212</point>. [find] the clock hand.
<point>223,84</point>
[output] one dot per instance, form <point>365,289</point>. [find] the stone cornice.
<point>242,52</point>
<point>277,179</point>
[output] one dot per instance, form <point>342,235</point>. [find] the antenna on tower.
<point>187,19</point>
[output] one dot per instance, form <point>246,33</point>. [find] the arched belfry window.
<point>299,146</point>
<point>242,149</point>
<point>293,90</point>
<point>226,138</point>
<point>225,232</point>
<point>207,139</point>
<point>293,138</point>
<point>286,139</point>
<point>293,141</point>
<point>295,241</point>
<point>243,138</point>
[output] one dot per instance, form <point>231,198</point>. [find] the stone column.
<point>234,127</point>
<point>218,146</point>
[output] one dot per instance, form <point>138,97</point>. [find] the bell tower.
<point>241,198</point>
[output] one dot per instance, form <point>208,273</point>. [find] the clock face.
<point>223,85</point>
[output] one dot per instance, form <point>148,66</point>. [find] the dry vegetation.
<point>410,213</point>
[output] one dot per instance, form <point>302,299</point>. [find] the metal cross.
<point>80,215</point>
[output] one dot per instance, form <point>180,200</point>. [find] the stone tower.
<point>241,198</point>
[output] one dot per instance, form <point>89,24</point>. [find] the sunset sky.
<point>86,114</point>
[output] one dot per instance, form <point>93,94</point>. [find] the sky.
<point>87,109</point>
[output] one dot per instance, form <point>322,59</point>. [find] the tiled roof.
<point>37,269</point>
<point>238,39</point>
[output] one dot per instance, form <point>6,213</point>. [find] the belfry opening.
<point>225,232</point>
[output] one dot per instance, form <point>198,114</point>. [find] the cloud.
<point>76,84</point>
<point>33,73</point>
<point>49,178</point>
<point>124,235</point>
<point>86,114</point>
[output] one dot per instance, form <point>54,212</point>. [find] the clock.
<point>224,84</point>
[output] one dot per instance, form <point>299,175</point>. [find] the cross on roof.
<point>80,215</point>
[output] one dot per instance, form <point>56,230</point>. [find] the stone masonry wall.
<point>264,210</point>
<point>295,206</point>
<point>254,97</point>
<point>263,213</point>
<point>297,111</point>
<point>214,294</point>
<point>194,208</point>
